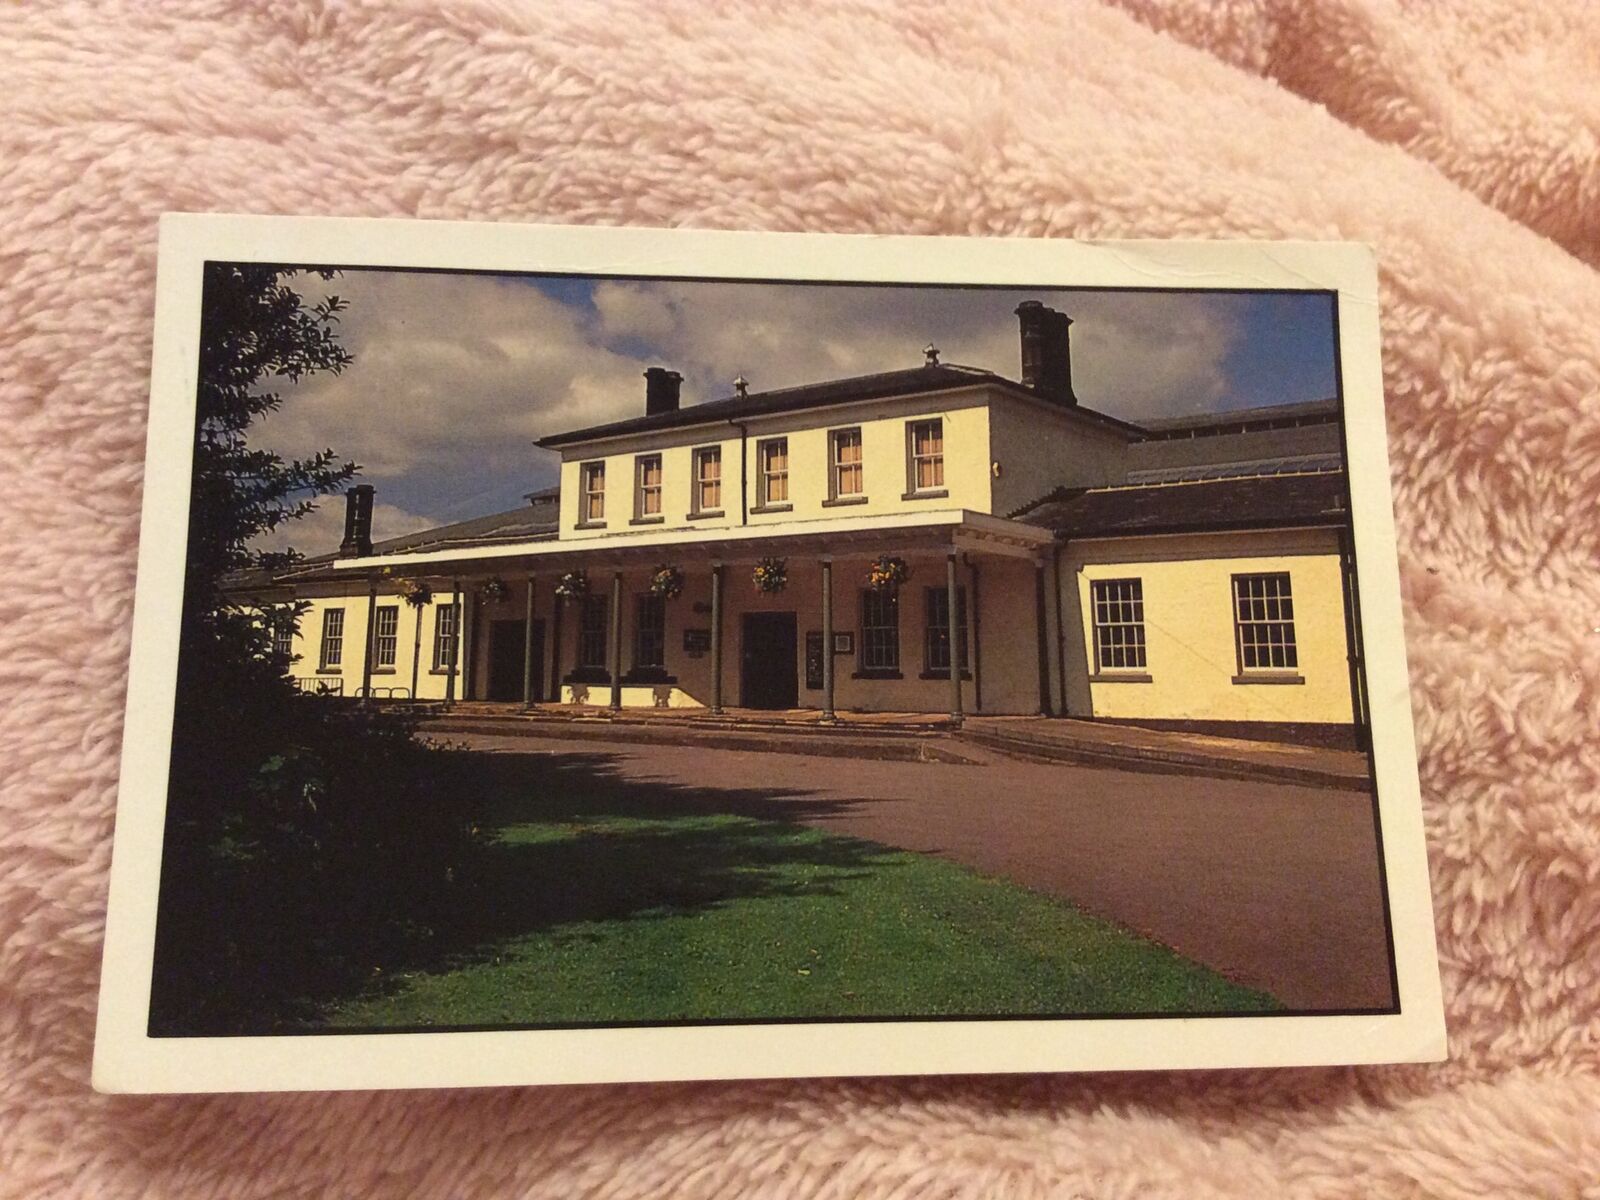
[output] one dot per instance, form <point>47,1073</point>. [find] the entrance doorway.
<point>507,640</point>
<point>768,675</point>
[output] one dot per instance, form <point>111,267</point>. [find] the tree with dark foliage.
<point>308,840</point>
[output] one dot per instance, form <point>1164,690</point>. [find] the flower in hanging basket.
<point>666,582</point>
<point>771,575</point>
<point>414,592</point>
<point>574,585</point>
<point>887,572</point>
<point>493,589</point>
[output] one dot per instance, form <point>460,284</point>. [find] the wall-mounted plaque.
<point>814,660</point>
<point>696,641</point>
<point>844,643</point>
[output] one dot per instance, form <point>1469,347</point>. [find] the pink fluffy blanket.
<point>1461,137</point>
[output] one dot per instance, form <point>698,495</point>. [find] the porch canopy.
<point>949,532</point>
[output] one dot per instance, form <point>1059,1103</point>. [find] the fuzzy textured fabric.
<point>1461,137</point>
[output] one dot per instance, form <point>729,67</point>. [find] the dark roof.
<point>888,384</point>
<point>1216,504</point>
<point>1243,420</point>
<point>524,524</point>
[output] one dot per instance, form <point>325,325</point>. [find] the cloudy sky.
<point>456,375</point>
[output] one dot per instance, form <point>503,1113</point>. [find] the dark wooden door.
<point>506,642</point>
<point>769,677</point>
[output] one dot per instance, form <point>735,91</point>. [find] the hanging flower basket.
<point>666,582</point>
<point>493,590</point>
<point>414,592</point>
<point>771,575</point>
<point>574,585</point>
<point>887,572</point>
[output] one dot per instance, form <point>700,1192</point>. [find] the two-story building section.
<point>936,539</point>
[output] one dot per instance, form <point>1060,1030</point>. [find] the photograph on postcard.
<point>568,650</point>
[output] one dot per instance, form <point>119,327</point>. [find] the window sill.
<point>335,672</point>
<point>710,514</point>
<point>843,501</point>
<point>588,675</point>
<point>1123,677</point>
<point>876,673</point>
<point>926,494</point>
<point>772,508</point>
<point>945,674</point>
<point>384,671</point>
<point>443,671</point>
<point>1290,677</point>
<point>648,521</point>
<point>648,675</point>
<point>590,525</point>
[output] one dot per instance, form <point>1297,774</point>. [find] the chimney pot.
<point>357,522</point>
<point>661,391</point>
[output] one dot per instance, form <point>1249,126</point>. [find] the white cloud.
<point>455,376</point>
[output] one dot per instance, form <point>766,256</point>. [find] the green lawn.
<point>600,902</point>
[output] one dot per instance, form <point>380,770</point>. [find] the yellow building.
<point>826,546</point>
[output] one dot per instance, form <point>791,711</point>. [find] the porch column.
<point>952,596</point>
<point>455,644</point>
<point>469,634</point>
<point>530,669</point>
<point>716,638</point>
<point>1044,637</point>
<point>368,650</point>
<point>555,647</point>
<point>616,642</point>
<point>827,639</point>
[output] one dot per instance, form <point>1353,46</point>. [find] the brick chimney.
<point>357,522</point>
<point>1046,351</point>
<point>661,391</point>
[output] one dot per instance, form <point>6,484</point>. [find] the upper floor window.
<point>647,500</point>
<point>1263,622</point>
<point>846,476</point>
<point>1118,624</point>
<point>592,493</point>
<point>774,482</point>
<point>386,637</point>
<point>708,479</point>
<point>444,636</point>
<point>925,441</point>
<point>332,639</point>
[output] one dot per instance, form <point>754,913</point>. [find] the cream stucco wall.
<point>1036,448</point>
<point>883,426</point>
<point>386,682</point>
<point>1189,628</point>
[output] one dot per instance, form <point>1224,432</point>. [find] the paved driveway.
<point>1273,885</point>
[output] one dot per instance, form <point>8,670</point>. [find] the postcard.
<point>582,655</point>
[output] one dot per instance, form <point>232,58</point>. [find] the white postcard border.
<point>128,1060</point>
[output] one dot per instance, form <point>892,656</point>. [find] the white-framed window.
<point>773,458</point>
<point>1263,622</point>
<point>880,629</point>
<point>708,479</point>
<point>846,475</point>
<point>445,620</point>
<point>925,445</point>
<point>647,498</point>
<point>936,646</point>
<point>386,637</point>
<point>592,613</point>
<point>282,627</point>
<point>1118,624</point>
<point>332,653</point>
<point>650,632</point>
<point>592,493</point>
